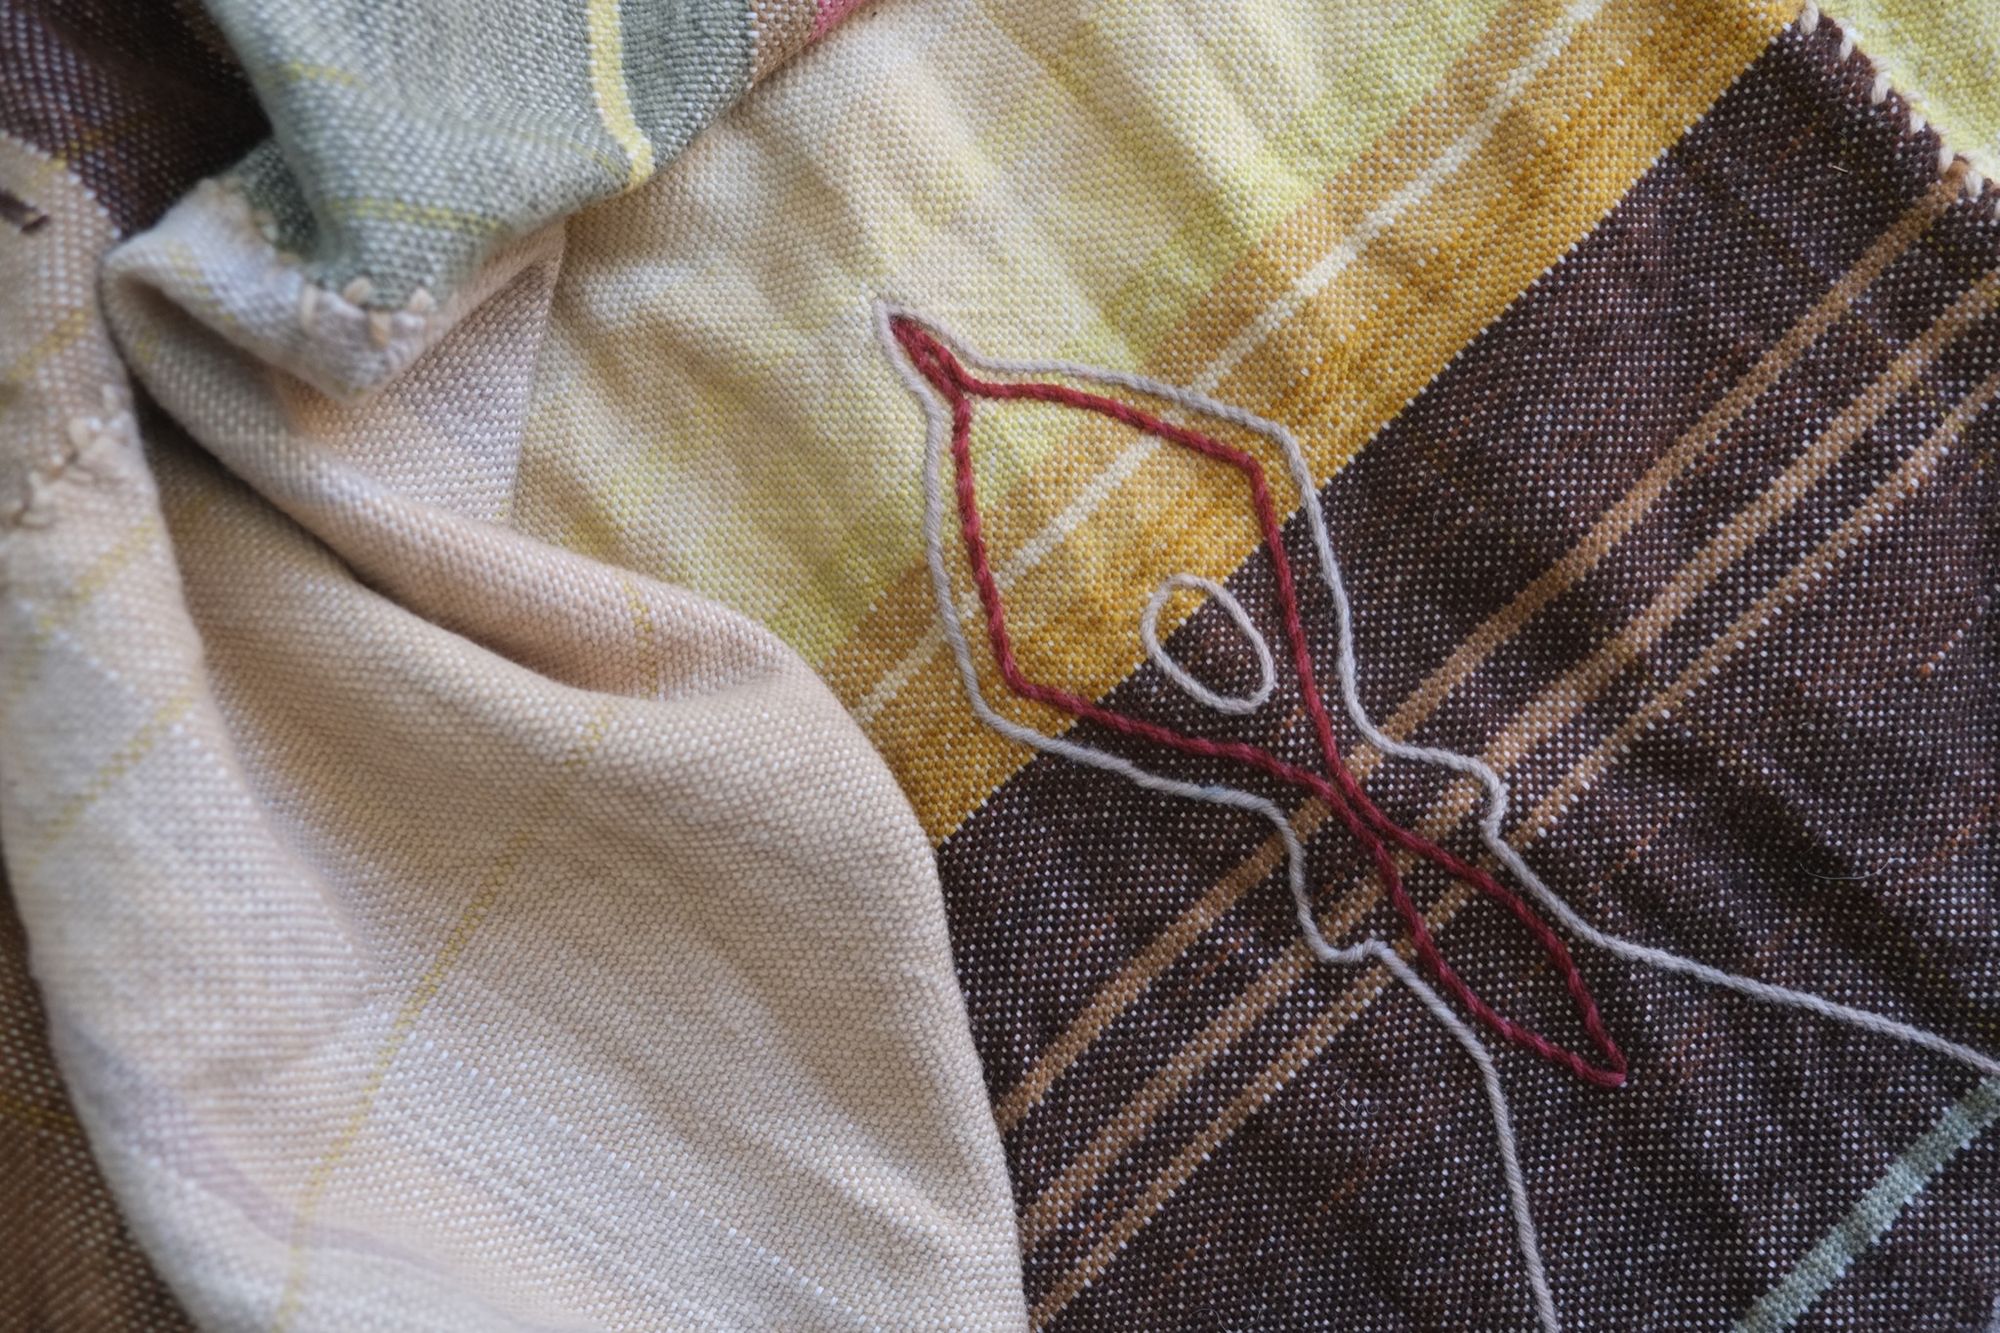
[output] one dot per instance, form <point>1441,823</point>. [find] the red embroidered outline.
<point>1363,819</point>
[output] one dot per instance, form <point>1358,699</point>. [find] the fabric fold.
<point>437,929</point>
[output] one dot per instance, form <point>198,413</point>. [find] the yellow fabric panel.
<point>1944,57</point>
<point>1309,214</point>
<point>1081,176</point>
<point>1623,88</point>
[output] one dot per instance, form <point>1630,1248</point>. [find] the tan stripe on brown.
<point>1907,478</point>
<point>1112,999</point>
<point>1534,723</point>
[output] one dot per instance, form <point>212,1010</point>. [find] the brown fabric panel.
<point>138,99</point>
<point>138,102</point>
<point>1853,734</point>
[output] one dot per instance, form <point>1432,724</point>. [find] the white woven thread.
<point>938,429</point>
<point>1149,634</point>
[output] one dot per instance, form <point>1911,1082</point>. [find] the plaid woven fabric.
<point>1695,545</point>
<point>1647,350</point>
<point>109,111</point>
<point>1211,452</point>
<point>433,929</point>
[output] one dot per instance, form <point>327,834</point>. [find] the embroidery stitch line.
<point>950,626</point>
<point>1227,797</point>
<point>1477,769</point>
<point>1364,820</point>
<point>1149,635</point>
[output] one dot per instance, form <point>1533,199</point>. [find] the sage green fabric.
<point>413,141</point>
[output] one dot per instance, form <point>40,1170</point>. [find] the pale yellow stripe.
<point>62,333</point>
<point>140,538</point>
<point>528,831</point>
<point>614,101</point>
<point>1154,293</point>
<point>45,837</point>
<point>1619,519</point>
<point>1551,709</point>
<point>1177,338</point>
<point>1904,481</point>
<point>758,549</point>
<point>1517,206</point>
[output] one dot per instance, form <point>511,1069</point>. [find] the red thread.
<point>1364,820</point>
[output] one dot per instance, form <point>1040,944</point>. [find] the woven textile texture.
<point>412,144</point>
<point>1649,355</point>
<point>1695,545</point>
<point>90,155</point>
<point>433,929</point>
<point>500,682</point>
<point>1944,58</point>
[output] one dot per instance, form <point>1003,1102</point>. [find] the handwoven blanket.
<point>1426,575</point>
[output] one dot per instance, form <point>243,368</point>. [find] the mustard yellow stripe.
<point>43,1119</point>
<point>1552,707</point>
<point>1137,301</point>
<point>607,80</point>
<point>1630,83</point>
<point>1354,154</point>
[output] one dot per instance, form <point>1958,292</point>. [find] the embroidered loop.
<point>1149,634</point>
<point>937,365</point>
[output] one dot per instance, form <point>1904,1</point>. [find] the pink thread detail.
<point>831,12</point>
<point>1363,819</point>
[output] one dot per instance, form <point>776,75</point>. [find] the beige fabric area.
<point>439,930</point>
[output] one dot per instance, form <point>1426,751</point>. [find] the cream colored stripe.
<point>1612,526</point>
<point>528,829</point>
<point>614,102</point>
<point>1908,477</point>
<point>128,757</point>
<point>1535,722</point>
<point>1622,517</point>
<point>1913,472</point>
<point>65,329</point>
<point>1555,705</point>
<point>138,539</point>
<point>1074,515</point>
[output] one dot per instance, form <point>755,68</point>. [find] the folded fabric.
<point>1427,571</point>
<point>437,929</point>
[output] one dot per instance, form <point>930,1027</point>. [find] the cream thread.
<point>1149,634</point>
<point>1370,949</point>
<point>1478,769</point>
<point>949,614</point>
